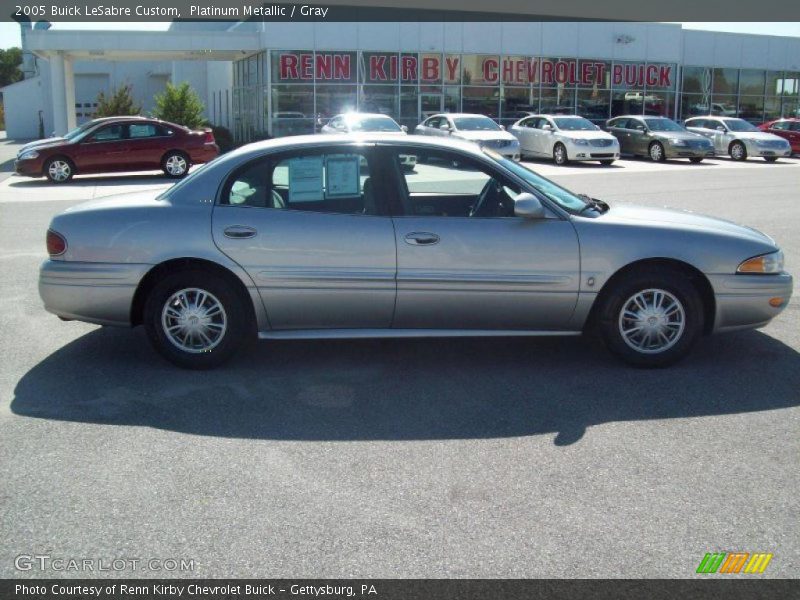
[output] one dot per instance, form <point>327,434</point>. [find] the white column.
<point>69,94</point>
<point>58,94</point>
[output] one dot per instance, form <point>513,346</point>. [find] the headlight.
<point>765,263</point>
<point>29,155</point>
<point>579,141</point>
<point>677,142</point>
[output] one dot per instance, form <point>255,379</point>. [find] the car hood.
<point>482,136</point>
<point>586,135</point>
<point>678,135</point>
<point>56,141</point>
<point>633,214</point>
<point>757,135</point>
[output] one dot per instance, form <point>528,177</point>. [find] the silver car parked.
<point>479,129</point>
<point>327,237</point>
<point>739,139</point>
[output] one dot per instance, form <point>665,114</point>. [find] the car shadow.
<point>426,389</point>
<point>579,164</point>
<point>78,181</point>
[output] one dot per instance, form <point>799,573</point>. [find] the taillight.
<point>209,139</point>
<point>56,244</point>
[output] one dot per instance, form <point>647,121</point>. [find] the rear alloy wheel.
<point>175,164</point>
<point>696,159</point>
<point>59,170</point>
<point>657,153</point>
<point>738,151</point>
<point>195,319</point>
<point>652,319</point>
<point>560,154</point>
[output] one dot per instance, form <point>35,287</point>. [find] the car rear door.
<point>469,265</point>
<point>147,144</point>
<point>311,228</point>
<point>526,134</point>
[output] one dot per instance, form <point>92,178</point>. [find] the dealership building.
<point>268,79</point>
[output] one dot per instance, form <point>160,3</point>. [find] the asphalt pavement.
<point>402,458</point>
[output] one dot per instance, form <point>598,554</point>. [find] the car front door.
<point>794,135</point>
<point>526,132</point>
<point>639,139</point>
<point>310,228</point>
<point>106,149</point>
<point>464,261</point>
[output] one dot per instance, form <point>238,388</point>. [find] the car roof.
<point>302,141</point>
<point>362,115</point>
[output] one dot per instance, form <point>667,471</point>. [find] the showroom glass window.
<point>594,90</point>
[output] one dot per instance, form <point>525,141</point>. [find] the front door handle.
<point>422,238</point>
<point>239,232</point>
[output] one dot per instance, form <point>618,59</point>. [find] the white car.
<point>474,128</point>
<point>564,138</point>
<point>369,123</point>
<point>739,139</point>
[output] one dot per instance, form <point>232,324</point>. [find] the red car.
<point>788,129</point>
<point>127,144</point>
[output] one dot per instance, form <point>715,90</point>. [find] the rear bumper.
<point>99,293</point>
<point>204,154</point>
<point>743,301</point>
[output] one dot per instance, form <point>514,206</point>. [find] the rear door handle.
<point>422,238</point>
<point>239,232</point>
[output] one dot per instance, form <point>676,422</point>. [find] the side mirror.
<point>547,127</point>
<point>445,126</point>
<point>720,128</point>
<point>527,205</point>
<point>404,128</point>
<point>503,127</point>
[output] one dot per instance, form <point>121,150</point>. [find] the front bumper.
<point>743,301</point>
<point>28,168</point>
<point>686,152</point>
<point>99,293</point>
<point>755,150</point>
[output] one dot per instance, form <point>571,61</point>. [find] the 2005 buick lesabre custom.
<point>323,237</point>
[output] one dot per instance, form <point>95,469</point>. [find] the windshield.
<point>563,197</point>
<point>374,124</point>
<point>575,124</point>
<point>662,125</point>
<point>475,124</point>
<point>740,125</point>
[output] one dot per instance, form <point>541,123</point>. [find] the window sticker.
<point>305,179</point>
<point>343,176</point>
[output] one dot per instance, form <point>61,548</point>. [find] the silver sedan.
<point>327,237</point>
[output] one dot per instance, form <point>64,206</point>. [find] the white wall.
<point>22,102</point>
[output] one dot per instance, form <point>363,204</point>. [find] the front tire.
<point>175,164</point>
<point>606,163</point>
<point>651,318</point>
<point>696,159</point>
<point>738,151</point>
<point>656,152</point>
<point>196,319</point>
<point>59,170</point>
<point>560,154</point>
<point>770,158</point>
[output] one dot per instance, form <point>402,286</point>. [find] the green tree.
<point>10,60</point>
<point>180,104</point>
<point>119,103</point>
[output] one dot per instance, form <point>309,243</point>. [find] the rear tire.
<point>196,319</point>
<point>59,169</point>
<point>652,318</point>
<point>606,163</point>
<point>175,164</point>
<point>560,155</point>
<point>738,151</point>
<point>696,159</point>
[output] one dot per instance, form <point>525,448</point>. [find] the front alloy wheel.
<point>657,152</point>
<point>651,318</point>
<point>560,154</point>
<point>59,170</point>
